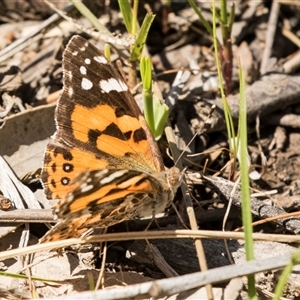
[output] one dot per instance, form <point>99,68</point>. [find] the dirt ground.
<point>264,38</point>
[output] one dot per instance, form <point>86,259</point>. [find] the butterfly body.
<point>104,164</point>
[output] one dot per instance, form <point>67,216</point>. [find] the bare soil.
<point>264,38</point>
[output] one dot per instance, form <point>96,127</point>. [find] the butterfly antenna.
<point>212,109</point>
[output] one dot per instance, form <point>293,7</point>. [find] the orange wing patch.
<point>111,134</point>
<point>62,166</point>
<point>111,188</point>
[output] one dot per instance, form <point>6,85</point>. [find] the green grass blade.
<point>106,52</point>
<point>156,113</point>
<point>126,13</point>
<point>21,276</point>
<point>223,14</point>
<point>227,114</point>
<point>246,199</point>
<point>146,74</point>
<point>141,38</point>
<point>285,275</point>
<point>90,16</point>
<point>201,18</point>
<point>161,114</point>
<point>231,17</point>
<point>134,17</point>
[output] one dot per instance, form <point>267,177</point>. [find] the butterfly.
<point>103,164</point>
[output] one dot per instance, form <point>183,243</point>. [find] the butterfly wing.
<point>99,124</point>
<point>113,196</point>
<point>104,164</point>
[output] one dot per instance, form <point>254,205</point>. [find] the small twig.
<point>170,286</point>
<point>160,261</point>
<point>102,270</point>
<point>104,35</point>
<point>270,34</point>
<point>190,210</point>
<point>275,218</point>
<point>27,215</point>
<point>165,234</point>
<point>292,64</point>
<point>35,35</point>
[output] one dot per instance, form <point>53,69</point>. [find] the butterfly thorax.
<point>165,184</point>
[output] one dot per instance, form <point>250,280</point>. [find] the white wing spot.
<point>75,53</point>
<point>85,187</point>
<point>66,167</point>
<point>87,61</point>
<point>100,59</point>
<point>101,173</point>
<point>65,181</point>
<point>113,84</point>
<point>70,92</point>
<point>83,70</point>
<point>86,84</point>
<point>113,176</point>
